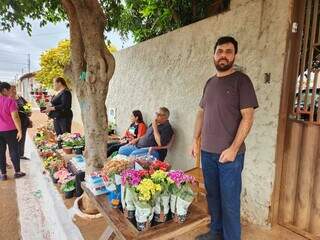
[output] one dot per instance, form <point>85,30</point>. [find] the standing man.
<point>223,121</point>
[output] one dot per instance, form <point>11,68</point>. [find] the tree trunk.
<point>89,54</point>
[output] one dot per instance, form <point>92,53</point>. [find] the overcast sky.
<point>16,45</point>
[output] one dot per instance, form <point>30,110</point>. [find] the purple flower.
<point>132,177</point>
<point>179,177</point>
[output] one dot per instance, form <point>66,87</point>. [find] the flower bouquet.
<point>61,175</point>
<point>39,139</point>
<point>112,170</point>
<point>129,179</point>
<point>161,209</point>
<point>159,165</point>
<point>27,109</point>
<point>47,162</point>
<point>182,194</point>
<point>142,163</point>
<point>144,196</point>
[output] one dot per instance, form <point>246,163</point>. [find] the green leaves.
<point>53,61</point>
<point>21,12</point>
<point>145,19</point>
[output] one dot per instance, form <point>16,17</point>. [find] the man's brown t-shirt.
<point>222,100</point>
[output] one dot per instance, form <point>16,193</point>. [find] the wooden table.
<point>120,226</point>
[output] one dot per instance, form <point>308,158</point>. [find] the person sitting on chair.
<point>136,130</point>
<point>158,134</point>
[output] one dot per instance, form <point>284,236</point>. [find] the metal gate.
<point>299,205</point>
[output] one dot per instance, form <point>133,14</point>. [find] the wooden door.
<point>299,195</point>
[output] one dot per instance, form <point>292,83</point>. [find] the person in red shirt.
<point>135,131</point>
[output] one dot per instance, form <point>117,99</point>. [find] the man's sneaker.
<point>209,236</point>
<point>3,177</point>
<point>19,175</point>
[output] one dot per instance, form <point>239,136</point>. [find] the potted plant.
<point>42,105</point>
<point>60,141</point>
<point>67,146</point>
<point>161,209</point>
<point>130,178</point>
<point>78,144</point>
<point>62,174</point>
<point>111,128</point>
<point>181,194</point>
<point>69,187</point>
<point>144,196</point>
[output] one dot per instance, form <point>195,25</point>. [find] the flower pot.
<point>127,202</point>
<point>142,226</point>
<point>160,218</point>
<point>67,150</point>
<point>78,150</point>
<point>161,209</point>
<point>179,218</point>
<point>54,180</point>
<point>129,214</point>
<point>144,217</point>
<point>111,132</point>
<point>179,208</point>
<point>69,194</point>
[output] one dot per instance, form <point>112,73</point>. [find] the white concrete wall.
<point>172,69</point>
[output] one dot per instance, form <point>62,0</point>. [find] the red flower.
<point>143,173</point>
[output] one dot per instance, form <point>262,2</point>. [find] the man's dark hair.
<point>4,85</point>
<point>224,40</point>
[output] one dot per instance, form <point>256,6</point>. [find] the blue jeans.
<point>223,185</point>
<point>133,150</point>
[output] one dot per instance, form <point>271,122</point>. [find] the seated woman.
<point>135,131</point>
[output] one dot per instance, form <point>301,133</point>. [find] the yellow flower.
<point>147,189</point>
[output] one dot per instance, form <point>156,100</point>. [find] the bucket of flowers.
<point>162,208</point>
<point>144,197</point>
<point>130,178</point>
<point>182,194</point>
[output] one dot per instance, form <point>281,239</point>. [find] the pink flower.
<point>179,177</point>
<point>132,177</point>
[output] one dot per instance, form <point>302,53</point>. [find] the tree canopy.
<point>145,19</point>
<point>53,62</point>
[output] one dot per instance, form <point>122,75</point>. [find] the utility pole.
<point>29,63</point>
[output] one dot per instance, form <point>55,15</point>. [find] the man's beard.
<point>223,67</point>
